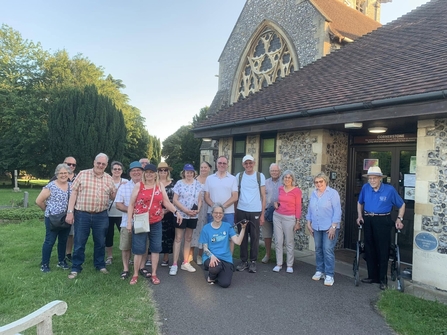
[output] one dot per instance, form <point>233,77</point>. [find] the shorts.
<point>125,239</point>
<point>267,229</point>
<point>187,223</point>
<point>139,241</point>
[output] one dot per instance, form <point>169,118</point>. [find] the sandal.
<point>155,280</point>
<point>145,273</point>
<point>109,260</point>
<point>134,280</point>
<point>124,275</point>
<point>72,275</point>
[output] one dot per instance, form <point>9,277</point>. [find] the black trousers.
<point>252,230</point>
<point>222,273</point>
<point>377,238</point>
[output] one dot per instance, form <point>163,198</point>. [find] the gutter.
<point>438,95</point>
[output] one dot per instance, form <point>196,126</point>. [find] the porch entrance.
<point>398,164</point>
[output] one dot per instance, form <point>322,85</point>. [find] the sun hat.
<point>374,171</point>
<point>164,165</point>
<point>247,158</point>
<point>150,167</point>
<point>188,167</point>
<point>135,165</point>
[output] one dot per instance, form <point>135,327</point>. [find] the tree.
<point>84,123</point>
<point>181,147</point>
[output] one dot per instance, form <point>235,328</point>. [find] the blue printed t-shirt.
<point>57,202</point>
<point>381,201</point>
<point>218,241</point>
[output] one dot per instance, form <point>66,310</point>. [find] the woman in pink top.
<point>286,219</point>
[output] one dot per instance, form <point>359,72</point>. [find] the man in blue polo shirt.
<point>376,200</point>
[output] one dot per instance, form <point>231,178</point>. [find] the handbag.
<point>268,214</point>
<point>57,221</point>
<point>141,222</point>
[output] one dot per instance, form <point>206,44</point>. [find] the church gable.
<point>269,55</point>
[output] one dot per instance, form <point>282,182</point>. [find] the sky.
<point>165,52</point>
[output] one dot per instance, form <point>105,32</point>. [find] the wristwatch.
<point>69,211</point>
<point>400,218</point>
<point>334,227</point>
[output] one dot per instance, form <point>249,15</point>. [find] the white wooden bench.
<point>42,318</point>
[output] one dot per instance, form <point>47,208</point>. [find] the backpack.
<point>258,177</point>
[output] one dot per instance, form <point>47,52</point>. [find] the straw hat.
<point>374,171</point>
<point>164,165</point>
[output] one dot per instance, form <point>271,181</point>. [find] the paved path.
<point>266,303</point>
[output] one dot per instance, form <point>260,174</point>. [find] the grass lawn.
<point>97,303</point>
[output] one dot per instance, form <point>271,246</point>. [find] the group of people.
<point>202,211</point>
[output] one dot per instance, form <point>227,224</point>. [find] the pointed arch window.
<point>268,58</point>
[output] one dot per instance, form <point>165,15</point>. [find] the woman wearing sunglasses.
<point>323,221</point>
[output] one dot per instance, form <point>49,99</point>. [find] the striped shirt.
<point>93,191</point>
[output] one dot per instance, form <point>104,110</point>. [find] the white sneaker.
<point>329,281</point>
<point>318,275</point>
<point>277,268</point>
<point>199,260</point>
<point>265,260</point>
<point>188,267</point>
<point>173,270</point>
<point>289,269</point>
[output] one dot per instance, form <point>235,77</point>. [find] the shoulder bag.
<point>141,222</point>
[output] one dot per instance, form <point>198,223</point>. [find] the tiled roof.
<point>345,21</point>
<point>405,57</point>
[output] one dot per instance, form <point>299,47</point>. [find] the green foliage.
<point>32,81</point>
<point>182,147</point>
<point>21,214</point>
<point>410,315</point>
<point>85,123</point>
<point>97,303</point>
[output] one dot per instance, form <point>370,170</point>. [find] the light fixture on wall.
<point>354,125</point>
<point>207,139</point>
<point>377,130</point>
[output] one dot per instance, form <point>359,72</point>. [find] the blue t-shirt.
<point>218,241</point>
<point>381,201</point>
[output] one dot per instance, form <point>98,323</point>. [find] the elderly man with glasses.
<point>221,187</point>
<point>87,208</point>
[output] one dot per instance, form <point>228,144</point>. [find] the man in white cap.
<point>250,206</point>
<point>376,200</point>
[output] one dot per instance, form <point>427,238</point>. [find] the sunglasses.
<point>221,163</point>
<point>162,170</point>
<point>71,164</point>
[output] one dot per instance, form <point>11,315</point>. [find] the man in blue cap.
<point>122,201</point>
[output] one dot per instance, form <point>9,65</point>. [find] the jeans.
<point>50,239</point>
<point>98,223</point>
<point>139,240</point>
<point>228,217</point>
<point>324,251</point>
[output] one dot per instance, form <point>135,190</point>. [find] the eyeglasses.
<point>101,164</point>
<point>318,182</point>
<point>222,163</point>
<point>71,164</point>
<point>162,170</point>
<point>117,169</point>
